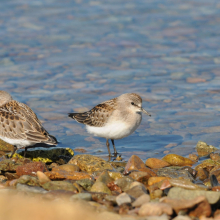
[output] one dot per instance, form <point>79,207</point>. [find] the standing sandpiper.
<point>20,126</point>
<point>113,119</point>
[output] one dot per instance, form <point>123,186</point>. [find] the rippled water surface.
<point>65,56</point>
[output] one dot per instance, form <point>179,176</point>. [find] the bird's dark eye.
<point>132,103</point>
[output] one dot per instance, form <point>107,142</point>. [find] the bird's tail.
<point>79,117</point>
<point>52,140</point>
<point>72,115</point>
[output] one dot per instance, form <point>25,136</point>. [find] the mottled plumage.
<point>113,119</point>
<point>19,125</point>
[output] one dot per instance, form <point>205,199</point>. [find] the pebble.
<point>30,189</point>
<point>71,175</point>
<point>145,198</point>
<point>90,163</point>
<point>29,180</point>
<point>136,191</point>
<point>153,180</point>
<point>155,163</point>
<point>86,183</point>
<point>42,178</point>
<point>66,167</point>
<point>31,168</point>
<point>123,198</point>
<point>135,163</point>
<point>100,187</point>
<point>59,185</point>
<point>203,149</point>
<point>155,209</point>
<point>83,196</point>
<point>140,176</point>
<point>104,177</point>
<point>180,193</point>
<point>124,183</point>
<point>174,172</point>
<point>177,160</point>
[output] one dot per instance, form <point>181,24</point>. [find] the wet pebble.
<point>155,163</point>
<point>90,163</point>
<point>177,160</point>
<point>203,149</point>
<point>174,172</point>
<point>135,163</point>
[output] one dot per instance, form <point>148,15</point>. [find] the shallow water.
<point>65,56</point>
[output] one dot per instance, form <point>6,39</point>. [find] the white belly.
<point>19,143</point>
<point>115,130</point>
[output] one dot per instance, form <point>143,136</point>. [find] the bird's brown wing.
<point>18,121</point>
<point>97,116</point>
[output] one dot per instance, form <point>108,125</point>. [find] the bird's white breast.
<point>116,129</point>
<point>19,143</point>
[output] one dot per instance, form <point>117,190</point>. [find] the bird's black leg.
<point>25,151</point>
<point>15,148</point>
<point>107,144</point>
<point>115,151</point>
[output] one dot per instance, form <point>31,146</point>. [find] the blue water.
<point>65,56</point>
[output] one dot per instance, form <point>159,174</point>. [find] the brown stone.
<point>215,156</point>
<point>59,185</point>
<point>104,177</point>
<point>42,178</point>
<point>155,163</point>
<point>217,213</point>
<point>5,147</point>
<point>145,198</point>
<point>61,175</point>
<point>31,168</point>
<point>100,187</point>
<point>177,160</point>
<point>155,209</point>
<point>114,187</point>
<point>12,163</point>
<point>11,176</point>
<point>140,176</point>
<point>208,165</point>
<point>165,184</point>
<point>194,157</point>
<point>156,179</point>
<point>186,184</point>
<point>203,149</point>
<point>135,163</point>
<point>66,167</point>
<point>202,209</point>
<point>156,194</point>
<point>90,163</point>
<point>202,174</point>
<point>216,188</point>
<point>137,191</point>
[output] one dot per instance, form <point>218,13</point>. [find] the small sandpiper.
<point>113,119</point>
<point>20,126</point>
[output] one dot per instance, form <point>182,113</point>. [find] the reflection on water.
<point>64,56</point>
